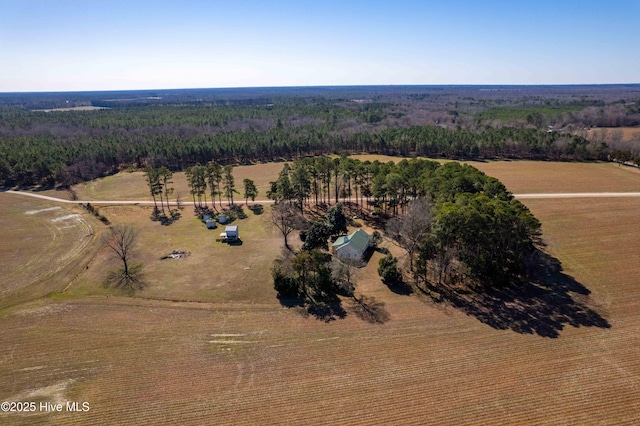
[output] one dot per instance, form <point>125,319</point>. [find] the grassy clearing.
<point>550,177</point>
<point>132,186</point>
<point>213,272</point>
<point>245,359</point>
<point>124,186</point>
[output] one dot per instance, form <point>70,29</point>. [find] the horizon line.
<point>328,86</point>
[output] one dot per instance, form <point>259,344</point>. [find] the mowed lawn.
<point>236,356</point>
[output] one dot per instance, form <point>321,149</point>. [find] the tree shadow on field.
<point>158,216</point>
<point>401,289</point>
<point>368,309</point>
<point>326,310</point>
<point>543,304</point>
<point>128,283</point>
<point>257,209</point>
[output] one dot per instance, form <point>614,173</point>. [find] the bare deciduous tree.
<point>122,241</point>
<point>409,229</point>
<point>343,273</point>
<point>285,216</point>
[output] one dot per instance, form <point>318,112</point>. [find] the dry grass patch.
<point>213,271</point>
<point>131,186</point>
<point>43,246</point>
<point>261,174</point>
<point>126,186</point>
<point>550,177</point>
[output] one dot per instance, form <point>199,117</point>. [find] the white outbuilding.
<point>230,233</point>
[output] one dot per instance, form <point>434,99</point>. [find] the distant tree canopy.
<point>39,148</point>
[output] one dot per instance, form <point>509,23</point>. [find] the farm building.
<point>230,233</point>
<point>211,224</point>
<point>352,246</point>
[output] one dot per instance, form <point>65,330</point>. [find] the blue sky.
<point>63,45</point>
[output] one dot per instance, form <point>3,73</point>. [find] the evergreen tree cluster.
<point>159,183</point>
<point>215,179</point>
<point>38,148</point>
<point>307,279</point>
<point>458,223</point>
<point>317,235</point>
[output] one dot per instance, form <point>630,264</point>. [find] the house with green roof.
<point>352,246</point>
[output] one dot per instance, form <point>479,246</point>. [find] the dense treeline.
<point>62,157</point>
<point>179,129</point>
<point>18,121</point>
<point>456,223</point>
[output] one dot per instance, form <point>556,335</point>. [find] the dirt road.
<point>519,196</point>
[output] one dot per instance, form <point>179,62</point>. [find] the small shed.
<point>230,233</point>
<point>211,224</point>
<point>352,246</point>
<point>222,218</point>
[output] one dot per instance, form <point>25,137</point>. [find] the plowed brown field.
<point>38,241</point>
<point>138,361</point>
